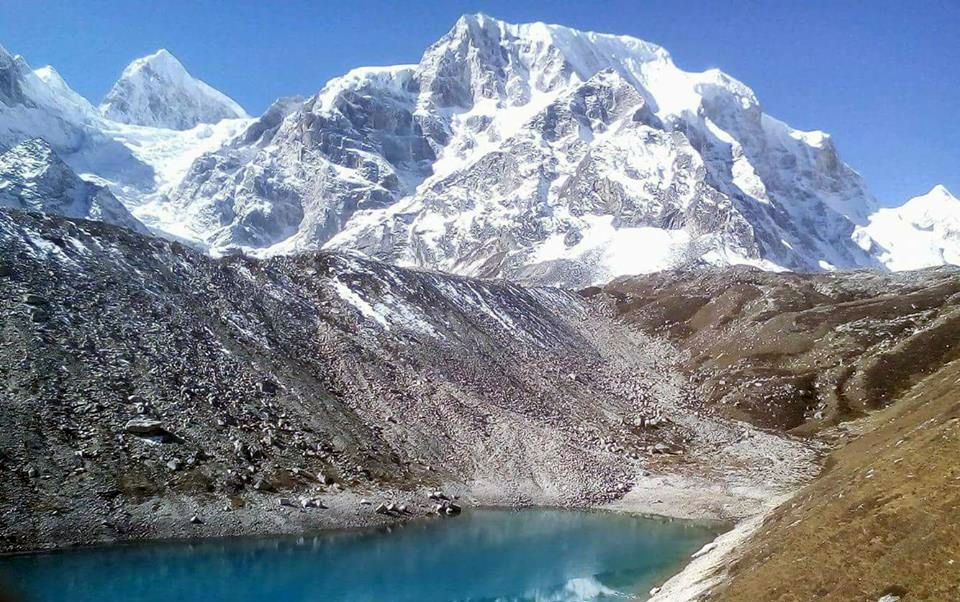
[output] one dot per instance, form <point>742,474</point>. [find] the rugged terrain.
<point>151,391</point>
<point>34,178</point>
<point>863,362</point>
<point>146,384</point>
<point>799,352</point>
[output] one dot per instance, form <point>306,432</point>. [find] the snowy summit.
<point>157,91</point>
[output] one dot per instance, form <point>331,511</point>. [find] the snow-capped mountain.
<point>34,178</point>
<point>39,104</point>
<point>157,91</point>
<point>531,152</point>
<point>923,232</point>
<point>536,152</point>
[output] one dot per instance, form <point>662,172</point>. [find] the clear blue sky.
<point>883,77</point>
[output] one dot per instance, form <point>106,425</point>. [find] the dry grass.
<point>884,517</point>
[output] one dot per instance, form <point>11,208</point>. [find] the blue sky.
<point>883,77</point>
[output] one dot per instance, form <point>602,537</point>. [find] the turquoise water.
<point>488,555</point>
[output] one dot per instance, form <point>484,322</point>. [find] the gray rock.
<point>150,428</point>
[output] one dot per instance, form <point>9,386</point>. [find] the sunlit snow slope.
<point>535,152</point>
<point>531,152</point>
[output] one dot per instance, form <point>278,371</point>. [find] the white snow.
<point>350,296</point>
<point>923,232</point>
<point>495,89</point>
<point>171,152</point>
<point>157,91</point>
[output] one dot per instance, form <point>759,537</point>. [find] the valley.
<point>539,268</point>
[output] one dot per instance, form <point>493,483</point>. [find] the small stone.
<point>175,464</point>
<point>31,299</point>
<point>195,519</point>
<point>263,485</point>
<point>283,501</point>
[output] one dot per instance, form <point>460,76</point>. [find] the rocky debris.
<point>263,485</point>
<point>146,332</point>
<point>447,508</point>
<point>195,520</point>
<point>794,351</point>
<point>36,300</point>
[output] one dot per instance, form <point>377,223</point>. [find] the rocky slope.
<point>34,178</point>
<point>865,363</point>
<point>157,91</point>
<point>146,384</point>
<point>799,352</point>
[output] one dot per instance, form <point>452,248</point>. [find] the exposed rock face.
<point>538,153</point>
<point>157,91</point>
<point>34,178</point>
<point>532,152</point>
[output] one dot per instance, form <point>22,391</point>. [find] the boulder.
<point>151,429</point>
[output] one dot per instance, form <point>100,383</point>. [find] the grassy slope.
<point>884,517</point>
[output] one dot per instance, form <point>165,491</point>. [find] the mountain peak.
<point>158,91</point>
<point>161,61</point>
<point>941,191</point>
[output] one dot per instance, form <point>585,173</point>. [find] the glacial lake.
<point>481,555</point>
